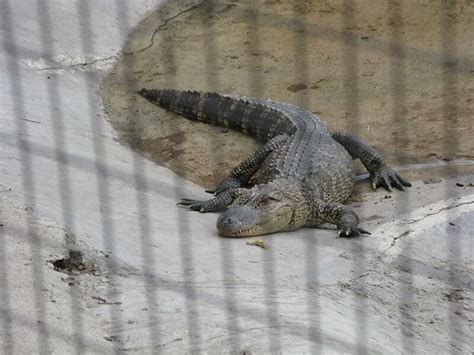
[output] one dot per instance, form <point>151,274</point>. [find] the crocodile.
<point>301,175</point>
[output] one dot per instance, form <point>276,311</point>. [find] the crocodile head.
<point>264,209</point>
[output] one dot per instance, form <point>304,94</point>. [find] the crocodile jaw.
<point>245,221</point>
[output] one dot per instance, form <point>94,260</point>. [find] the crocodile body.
<point>299,178</point>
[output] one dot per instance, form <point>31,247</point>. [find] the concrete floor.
<point>156,278</point>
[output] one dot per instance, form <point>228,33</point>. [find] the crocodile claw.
<point>350,232</point>
<point>215,204</point>
<point>227,183</point>
<point>387,177</point>
<point>195,205</point>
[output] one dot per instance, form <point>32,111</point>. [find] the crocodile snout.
<point>236,222</point>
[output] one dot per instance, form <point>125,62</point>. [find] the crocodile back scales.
<point>310,155</point>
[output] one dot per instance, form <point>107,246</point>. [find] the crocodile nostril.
<point>230,222</point>
<point>227,222</point>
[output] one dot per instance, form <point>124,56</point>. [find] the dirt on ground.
<point>398,74</point>
<point>73,264</point>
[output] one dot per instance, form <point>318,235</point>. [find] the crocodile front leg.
<point>216,204</point>
<point>380,172</point>
<point>241,174</point>
<point>342,216</point>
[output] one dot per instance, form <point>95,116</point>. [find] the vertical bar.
<point>7,342</point>
<point>256,89</point>
<point>449,64</point>
<point>62,160</point>
<point>15,82</point>
<point>100,160</point>
<point>351,85</point>
<point>301,74</point>
<point>141,196</point>
<point>227,257</point>
<point>400,133</point>
<point>184,228</point>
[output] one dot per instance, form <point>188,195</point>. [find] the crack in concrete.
<point>412,221</point>
<point>161,27</point>
<point>311,286</point>
<point>79,65</point>
<point>394,241</point>
<point>450,207</point>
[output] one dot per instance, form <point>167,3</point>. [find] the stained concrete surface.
<point>382,70</point>
<point>163,281</point>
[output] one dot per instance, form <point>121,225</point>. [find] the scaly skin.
<point>299,177</point>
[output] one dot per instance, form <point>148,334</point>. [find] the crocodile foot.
<point>218,203</point>
<point>201,206</point>
<point>387,177</point>
<point>351,231</point>
<point>227,183</point>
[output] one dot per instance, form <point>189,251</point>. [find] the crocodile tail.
<point>256,119</point>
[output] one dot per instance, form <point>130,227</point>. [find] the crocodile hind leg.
<point>342,216</point>
<point>241,174</point>
<point>380,173</point>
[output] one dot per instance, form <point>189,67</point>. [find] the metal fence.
<point>139,178</point>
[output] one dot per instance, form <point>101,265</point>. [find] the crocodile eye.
<point>268,199</point>
<point>241,201</point>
